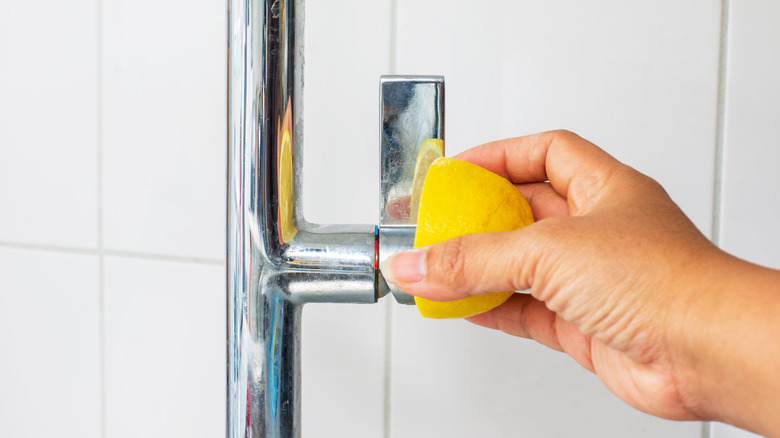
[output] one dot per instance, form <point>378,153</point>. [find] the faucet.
<point>276,260</point>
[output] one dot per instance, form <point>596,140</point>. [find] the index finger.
<point>556,156</point>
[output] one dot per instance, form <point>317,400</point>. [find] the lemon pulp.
<point>430,150</point>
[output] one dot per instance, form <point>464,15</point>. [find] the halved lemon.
<point>460,198</point>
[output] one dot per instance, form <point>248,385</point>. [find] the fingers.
<point>464,266</point>
<point>520,160</point>
<point>524,316</point>
<point>544,200</point>
<point>575,167</point>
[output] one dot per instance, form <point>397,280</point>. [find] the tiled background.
<point>112,193</point>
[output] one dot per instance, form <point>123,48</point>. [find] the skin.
<point>620,280</point>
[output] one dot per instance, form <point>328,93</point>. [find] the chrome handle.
<point>412,111</point>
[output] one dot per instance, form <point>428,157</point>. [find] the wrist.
<point>730,349</point>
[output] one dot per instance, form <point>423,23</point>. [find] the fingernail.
<point>404,267</point>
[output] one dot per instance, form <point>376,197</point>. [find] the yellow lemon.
<point>429,151</point>
<point>460,198</point>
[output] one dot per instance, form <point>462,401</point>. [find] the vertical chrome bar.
<point>263,129</point>
<point>276,262</point>
<point>243,199</point>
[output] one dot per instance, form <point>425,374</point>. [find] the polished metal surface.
<point>393,240</point>
<point>276,261</point>
<point>412,111</point>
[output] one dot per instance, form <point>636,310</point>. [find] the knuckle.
<point>448,264</point>
<point>549,236</point>
<point>564,134</point>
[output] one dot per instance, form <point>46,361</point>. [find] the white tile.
<point>638,79</point>
<point>751,185</point>
<point>48,122</point>
<point>451,378</point>
<point>165,348</point>
<point>347,48</point>
<point>720,430</point>
<point>164,101</point>
<point>343,352</point>
<point>49,345</point>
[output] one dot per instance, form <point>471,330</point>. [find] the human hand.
<point>619,278</point>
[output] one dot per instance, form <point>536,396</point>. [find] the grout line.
<point>101,259</point>
<point>102,341</point>
<point>720,129</point>
<point>388,365</point>
<point>717,195</point>
<point>113,253</point>
<point>388,371</point>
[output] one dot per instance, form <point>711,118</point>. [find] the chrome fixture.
<point>412,111</point>
<point>276,261</point>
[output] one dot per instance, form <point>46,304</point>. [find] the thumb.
<point>468,265</point>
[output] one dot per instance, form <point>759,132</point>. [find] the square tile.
<point>165,348</point>
<point>48,123</point>
<point>343,370</point>
<point>50,365</point>
<point>638,79</point>
<point>164,133</point>
<point>750,208</point>
<point>451,378</point>
<point>347,49</point>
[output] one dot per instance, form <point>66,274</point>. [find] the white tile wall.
<point>48,122</point>
<point>50,364</point>
<point>164,132</point>
<point>347,45</point>
<point>343,371</point>
<point>133,98</point>
<point>164,349</point>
